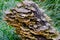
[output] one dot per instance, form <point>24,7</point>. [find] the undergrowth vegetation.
<point>51,7</point>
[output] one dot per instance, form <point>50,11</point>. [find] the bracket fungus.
<point>30,22</point>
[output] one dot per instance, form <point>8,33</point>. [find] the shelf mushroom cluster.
<point>30,22</point>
